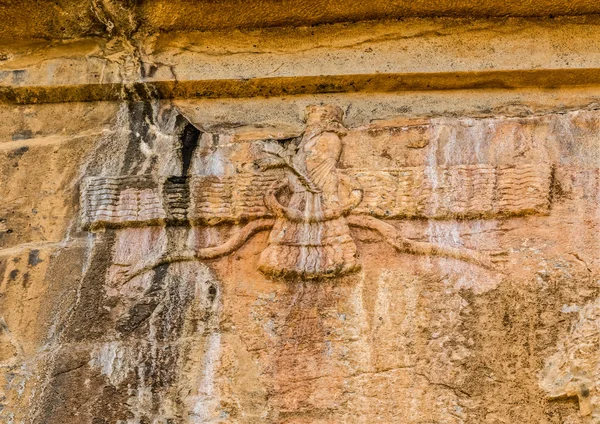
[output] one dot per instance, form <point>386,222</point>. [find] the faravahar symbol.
<point>297,192</point>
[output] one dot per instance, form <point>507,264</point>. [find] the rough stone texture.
<point>408,338</point>
<point>64,19</point>
<point>375,256</point>
<point>363,57</point>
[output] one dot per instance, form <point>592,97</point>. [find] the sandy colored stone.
<point>217,213</point>
<point>71,19</point>
<point>371,57</point>
<point>405,339</point>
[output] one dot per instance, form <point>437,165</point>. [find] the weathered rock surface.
<point>342,253</point>
<point>65,19</point>
<point>405,339</point>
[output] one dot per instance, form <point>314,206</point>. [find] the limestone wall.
<point>184,241</point>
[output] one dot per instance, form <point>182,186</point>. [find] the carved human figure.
<point>310,237</point>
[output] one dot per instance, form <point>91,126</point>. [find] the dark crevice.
<point>176,189</point>
<point>556,192</point>
<point>140,117</point>
<point>189,142</point>
<point>212,293</point>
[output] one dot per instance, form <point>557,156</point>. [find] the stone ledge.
<point>286,86</point>
<point>417,54</point>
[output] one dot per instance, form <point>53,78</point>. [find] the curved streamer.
<point>237,240</point>
<point>391,236</point>
<point>232,244</point>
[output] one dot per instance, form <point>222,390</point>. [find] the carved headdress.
<point>321,119</point>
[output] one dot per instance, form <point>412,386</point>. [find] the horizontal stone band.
<point>463,191</point>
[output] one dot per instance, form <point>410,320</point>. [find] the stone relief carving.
<point>297,192</point>
<point>310,236</point>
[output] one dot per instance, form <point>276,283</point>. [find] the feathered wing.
<point>463,191</point>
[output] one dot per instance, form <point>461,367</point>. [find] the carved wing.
<point>231,199</point>
<point>464,191</point>
<point>121,201</point>
<point>144,200</point>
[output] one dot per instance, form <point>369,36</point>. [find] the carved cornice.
<point>287,86</point>
<point>366,57</point>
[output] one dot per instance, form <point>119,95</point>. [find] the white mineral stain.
<point>207,402</point>
<point>468,146</point>
<point>462,274</point>
<point>358,328</point>
<point>209,158</point>
<point>113,360</point>
<point>570,308</point>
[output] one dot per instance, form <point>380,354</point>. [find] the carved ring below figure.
<point>297,215</point>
